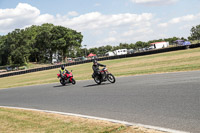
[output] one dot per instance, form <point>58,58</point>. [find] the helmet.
<point>95,62</point>
<point>62,67</point>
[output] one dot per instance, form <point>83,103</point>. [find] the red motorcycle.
<point>66,78</point>
<point>103,76</point>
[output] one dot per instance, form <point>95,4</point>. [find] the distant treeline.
<point>138,45</point>
<point>40,43</point>
<point>195,35</point>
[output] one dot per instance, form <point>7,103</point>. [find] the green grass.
<point>15,121</point>
<point>183,60</point>
<point>23,121</point>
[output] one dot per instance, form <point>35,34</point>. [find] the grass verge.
<point>183,60</point>
<point>17,120</point>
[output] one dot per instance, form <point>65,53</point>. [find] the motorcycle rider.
<point>63,70</point>
<point>96,69</point>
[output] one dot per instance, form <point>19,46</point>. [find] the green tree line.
<point>38,44</point>
<point>136,46</point>
<point>195,36</point>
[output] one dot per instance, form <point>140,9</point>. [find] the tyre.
<point>73,81</point>
<point>62,82</point>
<point>111,78</point>
<point>97,80</point>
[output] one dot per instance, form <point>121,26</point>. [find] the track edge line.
<point>100,118</point>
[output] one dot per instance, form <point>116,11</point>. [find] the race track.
<point>170,100</point>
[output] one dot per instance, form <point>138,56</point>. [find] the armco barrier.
<point>101,59</point>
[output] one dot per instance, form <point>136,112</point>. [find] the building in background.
<point>120,52</point>
<point>157,45</point>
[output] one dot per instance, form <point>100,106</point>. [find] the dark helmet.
<point>95,62</point>
<point>62,67</point>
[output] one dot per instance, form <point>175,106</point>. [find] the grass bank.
<point>183,60</point>
<point>21,121</point>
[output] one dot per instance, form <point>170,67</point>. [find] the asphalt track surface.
<point>170,100</point>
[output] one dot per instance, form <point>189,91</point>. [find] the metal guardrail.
<point>101,59</point>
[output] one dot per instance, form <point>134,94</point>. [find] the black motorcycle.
<point>103,76</point>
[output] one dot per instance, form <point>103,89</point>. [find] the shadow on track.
<point>61,85</point>
<point>96,85</point>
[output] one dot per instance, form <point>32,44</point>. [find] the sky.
<point>105,22</point>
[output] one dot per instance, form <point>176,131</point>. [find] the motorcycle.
<point>103,76</point>
<point>66,78</point>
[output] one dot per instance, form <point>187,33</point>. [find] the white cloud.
<point>97,28</point>
<point>145,30</point>
<point>186,26</point>
<point>109,40</point>
<point>27,14</point>
<point>183,19</point>
<point>22,15</point>
<point>73,13</point>
<point>112,32</point>
<point>154,2</point>
<point>22,10</point>
<point>44,18</point>
<point>96,20</point>
<point>179,26</point>
<point>163,24</point>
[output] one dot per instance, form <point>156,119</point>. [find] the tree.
<point>19,48</point>
<point>43,43</point>
<point>108,48</point>
<point>132,46</point>
<point>139,44</point>
<point>124,46</point>
<point>72,42</point>
<point>93,50</point>
<point>57,39</point>
<point>101,51</point>
<point>38,44</point>
<point>171,40</point>
<point>80,52</point>
<point>31,34</point>
<point>195,33</point>
<point>3,54</point>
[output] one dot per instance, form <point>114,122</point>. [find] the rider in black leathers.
<point>96,69</point>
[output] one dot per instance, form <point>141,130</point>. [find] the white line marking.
<point>104,119</point>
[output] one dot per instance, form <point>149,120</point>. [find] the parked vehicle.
<point>103,76</point>
<point>120,52</point>
<point>66,78</point>
<point>9,68</point>
<point>182,42</point>
<point>110,53</point>
<point>157,45</point>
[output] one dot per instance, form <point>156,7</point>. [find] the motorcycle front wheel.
<point>73,81</point>
<point>62,82</point>
<point>111,78</point>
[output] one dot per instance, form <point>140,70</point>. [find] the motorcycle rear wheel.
<point>97,80</point>
<point>111,78</point>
